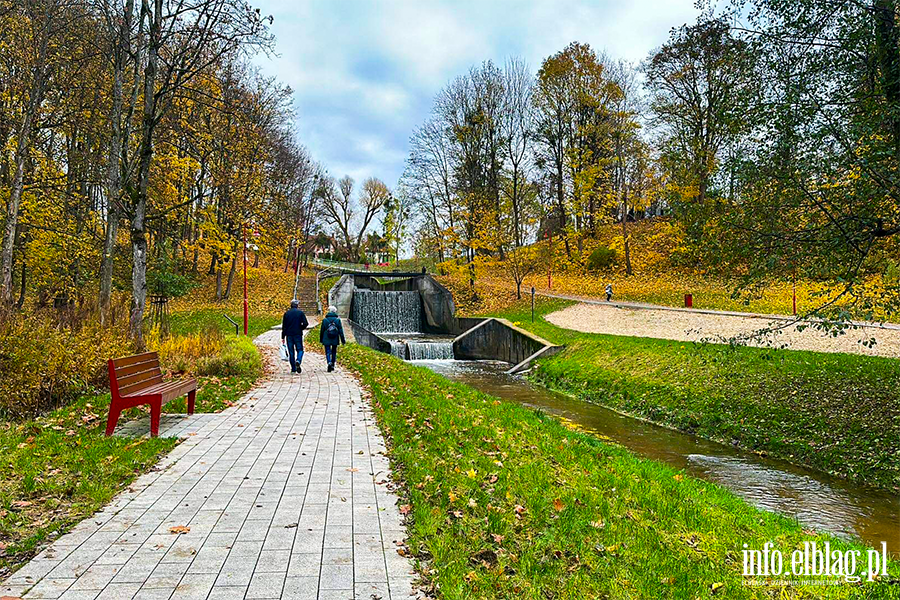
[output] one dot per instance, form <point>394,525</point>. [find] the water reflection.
<point>816,500</point>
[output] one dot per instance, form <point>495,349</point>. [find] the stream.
<point>816,500</point>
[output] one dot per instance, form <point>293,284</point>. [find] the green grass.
<point>184,322</point>
<point>59,469</point>
<point>838,413</point>
<point>505,502</point>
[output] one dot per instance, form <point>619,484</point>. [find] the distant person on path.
<point>330,334</point>
<point>292,325</point>
<point>608,292</point>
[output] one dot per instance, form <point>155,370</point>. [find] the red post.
<point>246,306</point>
<point>688,300</point>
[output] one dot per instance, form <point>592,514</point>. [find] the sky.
<point>365,73</point>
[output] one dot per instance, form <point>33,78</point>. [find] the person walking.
<point>292,325</point>
<point>330,334</point>
<point>608,292</point>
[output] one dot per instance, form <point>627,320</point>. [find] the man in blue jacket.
<point>292,325</point>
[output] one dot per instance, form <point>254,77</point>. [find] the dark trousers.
<point>330,353</point>
<point>295,344</point>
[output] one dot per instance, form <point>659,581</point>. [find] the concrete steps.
<point>306,294</point>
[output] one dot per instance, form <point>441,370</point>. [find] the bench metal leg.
<point>155,410</point>
<point>192,397</point>
<point>112,419</point>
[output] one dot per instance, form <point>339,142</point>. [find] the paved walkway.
<point>285,496</point>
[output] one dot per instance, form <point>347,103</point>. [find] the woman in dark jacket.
<point>330,334</point>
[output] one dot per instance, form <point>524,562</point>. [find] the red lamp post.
<point>246,305</point>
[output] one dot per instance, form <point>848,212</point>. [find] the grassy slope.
<point>838,413</point>
<point>505,502</point>
<point>663,275</point>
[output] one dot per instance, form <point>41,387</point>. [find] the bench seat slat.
<point>127,390</point>
<point>166,389</point>
<point>141,376</point>
<point>137,358</point>
<point>122,372</point>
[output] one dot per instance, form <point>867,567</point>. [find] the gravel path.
<point>693,326</point>
<point>285,495</point>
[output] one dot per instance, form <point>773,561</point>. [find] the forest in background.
<point>767,132</point>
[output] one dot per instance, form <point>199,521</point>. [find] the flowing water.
<point>420,346</point>
<point>817,500</point>
<point>430,350</point>
<point>383,312</point>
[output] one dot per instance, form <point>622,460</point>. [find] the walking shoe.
<point>299,370</point>
<point>330,368</point>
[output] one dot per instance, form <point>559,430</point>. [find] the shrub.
<point>601,258</point>
<point>239,358</point>
<point>181,354</point>
<point>208,353</point>
<point>169,284</point>
<point>44,363</point>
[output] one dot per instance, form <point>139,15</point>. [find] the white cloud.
<point>364,72</point>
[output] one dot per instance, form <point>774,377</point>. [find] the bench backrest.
<point>132,374</point>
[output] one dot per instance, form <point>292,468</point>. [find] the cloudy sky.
<point>364,72</point>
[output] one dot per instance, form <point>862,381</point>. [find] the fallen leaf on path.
<point>179,529</point>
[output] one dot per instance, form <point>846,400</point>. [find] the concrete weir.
<point>412,316</point>
<point>498,339</point>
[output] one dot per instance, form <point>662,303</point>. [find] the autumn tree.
<point>573,99</point>
<point>701,83</point>
<point>44,30</point>
<point>820,185</point>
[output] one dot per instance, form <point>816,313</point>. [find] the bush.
<point>44,364</point>
<point>601,258</point>
<point>239,358</point>
<point>208,353</point>
<point>181,354</point>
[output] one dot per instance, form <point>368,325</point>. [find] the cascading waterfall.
<point>430,350</point>
<point>398,349</point>
<point>387,312</point>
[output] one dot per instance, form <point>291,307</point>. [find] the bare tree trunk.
<point>22,287</point>
<point>113,168</point>
<point>219,294</point>
<point>23,148</point>
<point>138,236</point>
<point>234,261</point>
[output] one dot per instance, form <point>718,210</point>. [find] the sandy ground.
<point>672,325</point>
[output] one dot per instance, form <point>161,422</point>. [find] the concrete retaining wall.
<point>463,324</point>
<point>368,339</point>
<point>498,339</point>
<point>341,296</point>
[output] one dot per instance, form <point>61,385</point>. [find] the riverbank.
<point>506,502</point>
<point>836,413</point>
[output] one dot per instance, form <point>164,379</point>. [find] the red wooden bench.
<point>137,380</point>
